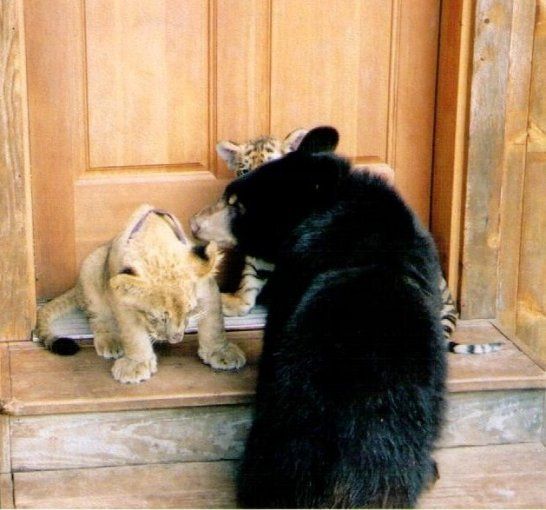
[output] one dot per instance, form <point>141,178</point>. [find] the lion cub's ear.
<point>205,259</point>
<point>127,285</point>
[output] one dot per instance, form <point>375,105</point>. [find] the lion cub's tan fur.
<point>143,287</point>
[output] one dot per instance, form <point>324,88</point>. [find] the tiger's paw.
<point>234,306</point>
<point>126,370</point>
<point>228,357</point>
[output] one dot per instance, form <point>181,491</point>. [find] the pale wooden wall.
<point>488,86</point>
<point>16,258</point>
<point>531,290</point>
<point>503,272</point>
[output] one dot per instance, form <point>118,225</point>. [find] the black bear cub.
<point>350,391</point>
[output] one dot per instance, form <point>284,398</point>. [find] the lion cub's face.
<point>161,297</point>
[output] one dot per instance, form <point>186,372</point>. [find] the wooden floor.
<point>34,381</point>
<point>500,476</point>
<point>153,444</point>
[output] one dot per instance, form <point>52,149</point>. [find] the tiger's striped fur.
<point>245,157</point>
<point>449,323</point>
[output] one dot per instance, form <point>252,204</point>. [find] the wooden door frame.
<point>17,285</point>
<point>450,140</point>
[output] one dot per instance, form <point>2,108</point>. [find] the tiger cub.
<point>142,288</point>
<point>246,157</point>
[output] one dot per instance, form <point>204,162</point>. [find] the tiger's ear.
<point>293,140</point>
<point>127,286</point>
<point>319,139</point>
<point>205,259</point>
<point>227,150</point>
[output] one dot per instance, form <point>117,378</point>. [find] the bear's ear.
<point>227,150</point>
<point>293,140</point>
<point>319,139</point>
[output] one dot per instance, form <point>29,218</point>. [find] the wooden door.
<point>127,99</point>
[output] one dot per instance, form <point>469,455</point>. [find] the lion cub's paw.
<point>108,347</point>
<point>126,370</point>
<point>234,306</point>
<point>228,357</point>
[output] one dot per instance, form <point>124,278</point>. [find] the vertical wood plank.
<point>243,77</point>
<point>537,108</point>
<point>17,291</point>
<point>55,58</point>
<point>450,128</point>
<point>5,396</point>
<point>6,491</point>
<point>493,25</point>
<point>5,445</point>
<point>531,298</point>
<point>515,146</point>
<point>413,118</point>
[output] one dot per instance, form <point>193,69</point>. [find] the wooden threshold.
<point>494,476</point>
<point>44,383</point>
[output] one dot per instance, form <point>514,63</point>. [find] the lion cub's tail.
<point>47,314</point>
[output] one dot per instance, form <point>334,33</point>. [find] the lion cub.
<point>142,288</point>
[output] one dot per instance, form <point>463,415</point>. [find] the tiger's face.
<point>245,157</point>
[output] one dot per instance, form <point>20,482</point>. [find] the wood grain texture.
<point>6,491</point>
<point>192,485</point>
<point>362,81</point>
<point>493,417</point>
<point>499,476</point>
<point>507,369</point>
<point>17,303</point>
<point>412,121</point>
<point>5,445</point>
<point>530,323</point>
<point>84,382</point>
<point>490,66</point>
<point>243,42</point>
<point>129,438</point>
<point>502,476</point>
<point>330,65</point>
<point>147,74</point>
<point>5,378</point>
<point>537,107</point>
<point>515,152</point>
<point>57,135</point>
<point>531,299</point>
<point>218,433</point>
<point>450,144</point>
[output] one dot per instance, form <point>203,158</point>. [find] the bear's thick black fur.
<point>350,390</point>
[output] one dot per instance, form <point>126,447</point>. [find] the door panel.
<point>127,100</point>
<point>147,77</point>
<point>336,55</point>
